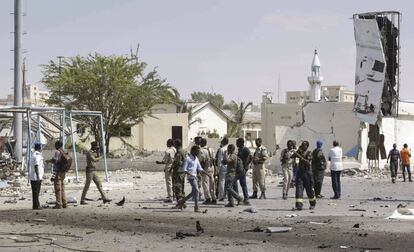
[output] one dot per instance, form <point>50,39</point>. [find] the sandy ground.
<point>145,223</point>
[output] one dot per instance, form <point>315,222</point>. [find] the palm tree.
<point>238,112</point>
<point>183,107</point>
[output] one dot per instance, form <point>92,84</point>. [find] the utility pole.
<point>60,84</point>
<point>18,91</point>
<point>278,89</point>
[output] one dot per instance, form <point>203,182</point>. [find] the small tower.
<point>315,79</point>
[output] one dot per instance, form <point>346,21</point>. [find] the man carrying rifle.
<point>304,179</point>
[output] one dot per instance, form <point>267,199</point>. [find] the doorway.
<point>177,133</point>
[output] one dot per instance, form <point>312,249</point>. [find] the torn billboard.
<point>370,70</point>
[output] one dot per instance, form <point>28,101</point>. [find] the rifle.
<point>301,157</point>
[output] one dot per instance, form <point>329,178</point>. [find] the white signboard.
<point>370,70</point>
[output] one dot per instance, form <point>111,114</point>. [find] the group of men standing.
<point>306,169</point>
<point>216,173</point>
<point>59,174</point>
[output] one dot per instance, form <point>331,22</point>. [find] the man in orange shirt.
<point>405,162</point>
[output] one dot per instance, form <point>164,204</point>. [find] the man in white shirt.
<point>335,156</point>
<point>37,169</point>
<point>167,161</point>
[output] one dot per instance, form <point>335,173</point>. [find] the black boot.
<point>263,195</point>
<point>254,195</point>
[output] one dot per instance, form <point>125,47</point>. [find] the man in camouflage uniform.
<point>206,161</point>
<point>58,177</point>
<point>178,174</point>
<point>318,168</point>
<point>287,163</point>
<point>92,157</point>
<point>167,161</point>
<point>259,158</point>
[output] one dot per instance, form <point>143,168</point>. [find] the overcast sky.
<point>235,47</point>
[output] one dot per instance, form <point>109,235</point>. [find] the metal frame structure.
<point>62,112</point>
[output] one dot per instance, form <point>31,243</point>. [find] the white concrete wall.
<point>276,114</point>
<point>153,133</point>
<point>399,131</point>
<point>210,120</point>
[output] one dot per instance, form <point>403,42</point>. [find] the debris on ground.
<point>10,201</point>
<point>323,246</point>
<point>357,210</point>
<point>71,200</point>
<point>317,223</point>
<point>39,220</point>
<point>121,203</point>
<point>278,229</point>
<point>402,214</point>
<point>291,215</point>
<point>181,234</point>
<point>256,229</point>
<point>3,184</point>
<point>250,210</point>
<point>269,230</point>
<point>356,225</point>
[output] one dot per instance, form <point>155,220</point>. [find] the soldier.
<point>222,168</point>
<point>231,160</point>
<point>295,165</point>
<point>207,179</point>
<point>304,179</point>
<point>318,168</point>
<point>58,177</point>
<point>197,142</point>
<point>244,154</point>
<point>178,174</point>
<point>287,162</point>
<point>167,161</point>
<point>92,157</point>
<point>405,155</point>
<point>394,156</point>
<point>259,158</point>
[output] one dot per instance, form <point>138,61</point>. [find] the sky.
<point>237,48</point>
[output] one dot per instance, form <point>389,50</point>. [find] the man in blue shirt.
<point>190,168</point>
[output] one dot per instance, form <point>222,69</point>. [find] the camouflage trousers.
<point>178,185</point>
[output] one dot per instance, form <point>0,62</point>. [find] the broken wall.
<point>322,121</point>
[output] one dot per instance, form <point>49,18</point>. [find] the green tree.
<point>214,98</point>
<point>118,86</point>
<point>238,112</point>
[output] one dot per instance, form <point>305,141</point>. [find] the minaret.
<point>315,79</point>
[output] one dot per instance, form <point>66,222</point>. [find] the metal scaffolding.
<point>62,112</point>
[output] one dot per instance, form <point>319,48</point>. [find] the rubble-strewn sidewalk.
<point>356,222</point>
